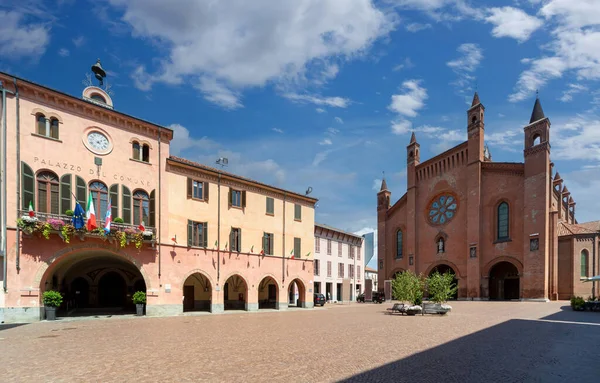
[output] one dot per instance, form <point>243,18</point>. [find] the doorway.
<point>339,292</point>
<point>112,290</point>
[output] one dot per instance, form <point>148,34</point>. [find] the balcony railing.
<point>61,224</point>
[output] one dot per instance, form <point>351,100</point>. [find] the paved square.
<point>477,342</point>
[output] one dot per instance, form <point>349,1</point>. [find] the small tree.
<point>139,297</point>
<point>52,298</point>
<point>441,287</point>
<point>408,287</point>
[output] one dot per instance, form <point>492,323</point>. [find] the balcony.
<point>44,225</point>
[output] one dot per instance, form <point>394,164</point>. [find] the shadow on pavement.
<point>568,315</point>
<point>11,325</point>
<point>513,351</point>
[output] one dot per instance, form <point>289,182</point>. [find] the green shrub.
<point>139,297</point>
<point>441,287</point>
<point>52,298</point>
<point>408,287</point>
<point>577,303</point>
<point>69,213</point>
<point>118,220</point>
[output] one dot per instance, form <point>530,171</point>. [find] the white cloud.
<point>406,64</point>
<point>217,93</point>
<point>336,102</point>
<point>332,131</point>
<point>581,132</point>
<point>277,130</point>
<point>182,141</point>
<point>326,141</point>
<point>507,139</point>
<point>412,100</point>
<point>78,41</point>
<point>448,139</point>
<point>575,14</point>
<point>416,27</point>
<point>465,66</point>
<point>242,44</point>
<point>512,22</point>
<point>21,39</point>
<point>320,110</point>
<point>63,52</point>
<point>376,184</point>
<point>401,126</point>
<point>339,120</point>
<point>573,89</point>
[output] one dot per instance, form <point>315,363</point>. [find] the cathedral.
<point>506,230</point>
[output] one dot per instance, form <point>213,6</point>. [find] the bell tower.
<point>383,204</point>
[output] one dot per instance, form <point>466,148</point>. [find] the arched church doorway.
<point>94,283</point>
<point>504,282</point>
<point>296,293</point>
<point>444,269</point>
<point>197,293</point>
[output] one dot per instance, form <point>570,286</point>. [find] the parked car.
<point>361,298</point>
<point>319,299</point>
<point>378,297</point>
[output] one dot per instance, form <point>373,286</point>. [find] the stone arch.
<point>301,286</point>
<point>395,271</point>
<point>197,297</point>
<point>446,263</point>
<point>454,268</point>
<point>504,281</point>
<point>196,271</point>
<point>232,298</point>
<point>267,297</point>
<point>487,268</point>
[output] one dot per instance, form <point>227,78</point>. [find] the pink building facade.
<point>177,226</point>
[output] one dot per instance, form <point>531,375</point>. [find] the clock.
<point>97,142</point>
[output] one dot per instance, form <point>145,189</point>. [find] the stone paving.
<point>477,342</point>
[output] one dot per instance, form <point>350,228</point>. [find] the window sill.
<point>399,258</point>
<point>297,220</point>
<point>198,247</point>
<point>140,161</point>
<point>46,137</point>
<point>236,207</point>
<point>198,199</point>
<point>270,214</point>
<point>502,240</point>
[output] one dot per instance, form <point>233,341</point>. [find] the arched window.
<point>584,263</point>
<point>141,207</point>
<point>537,139</point>
<point>146,153</point>
<point>399,244</point>
<point>136,150</point>
<point>54,128</point>
<point>503,221</point>
<point>48,193</point>
<point>97,97</point>
<point>41,124</point>
<point>100,199</point>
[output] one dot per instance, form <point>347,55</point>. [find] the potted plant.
<point>408,287</point>
<point>52,300</point>
<point>139,298</point>
<point>441,288</point>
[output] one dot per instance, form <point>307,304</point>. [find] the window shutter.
<point>229,197</point>
<point>189,187</point>
<point>65,193</point>
<point>126,209</point>
<point>244,198</point>
<point>205,234</point>
<point>239,240</point>
<point>152,209</point>
<point>81,192</point>
<point>230,239</point>
<point>271,244</point>
<point>190,232</point>
<point>205,191</point>
<point>264,243</point>
<point>114,201</point>
<point>28,186</point>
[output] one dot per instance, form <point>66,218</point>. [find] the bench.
<point>398,308</point>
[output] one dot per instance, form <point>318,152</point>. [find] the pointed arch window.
<point>48,193</point>
<point>503,221</point>
<point>584,263</point>
<point>99,199</point>
<point>141,207</point>
<point>399,243</point>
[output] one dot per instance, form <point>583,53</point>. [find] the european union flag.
<point>78,215</point>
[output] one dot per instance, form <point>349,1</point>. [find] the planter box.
<point>436,308</point>
<point>50,312</point>
<point>139,308</point>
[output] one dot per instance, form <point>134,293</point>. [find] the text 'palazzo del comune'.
<point>506,230</point>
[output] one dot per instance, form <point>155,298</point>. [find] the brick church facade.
<point>507,230</point>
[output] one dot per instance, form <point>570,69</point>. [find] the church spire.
<point>413,138</point>
<point>383,185</point>
<point>538,112</point>
<point>475,100</point>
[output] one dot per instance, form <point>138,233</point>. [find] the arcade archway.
<point>268,292</point>
<point>94,283</point>
<point>443,269</point>
<point>197,293</point>
<point>504,282</point>
<point>235,293</point>
<point>296,293</point>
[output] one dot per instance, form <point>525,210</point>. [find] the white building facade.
<point>338,264</point>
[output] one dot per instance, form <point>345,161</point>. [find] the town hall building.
<point>506,230</point>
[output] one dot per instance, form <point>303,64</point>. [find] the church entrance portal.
<point>443,269</point>
<point>504,282</point>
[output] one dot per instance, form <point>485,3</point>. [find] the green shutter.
<point>205,188</point>
<point>152,208</point>
<point>190,231</point>
<point>244,198</point>
<point>298,212</point>
<point>297,248</point>
<point>205,234</point>
<point>65,193</point>
<point>239,249</point>
<point>126,209</point>
<point>81,192</point>
<point>28,186</point>
<point>264,243</point>
<point>114,201</point>
<point>189,188</point>
<point>230,197</point>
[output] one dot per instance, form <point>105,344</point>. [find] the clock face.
<point>98,141</point>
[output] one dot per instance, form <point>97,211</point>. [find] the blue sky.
<point>325,93</point>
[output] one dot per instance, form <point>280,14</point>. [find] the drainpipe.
<point>283,244</point>
<point>18,249</point>
<point>159,231</point>
<point>594,265</point>
<point>3,159</point>
<point>219,229</point>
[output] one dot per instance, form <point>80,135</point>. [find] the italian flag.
<point>90,214</point>
<point>292,254</point>
<point>31,212</point>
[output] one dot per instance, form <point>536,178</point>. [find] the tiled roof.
<point>338,230</point>
<point>565,229</point>
<point>370,270</point>
<point>537,113</point>
<point>215,170</point>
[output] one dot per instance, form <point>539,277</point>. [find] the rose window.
<point>442,209</point>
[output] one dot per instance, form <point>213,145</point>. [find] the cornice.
<point>512,168</point>
<point>538,148</point>
<point>398,204</point>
